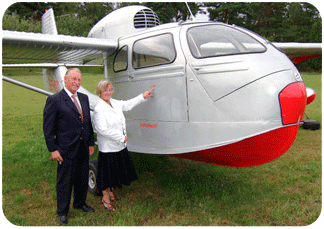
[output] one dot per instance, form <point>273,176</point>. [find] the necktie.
<point>78,106</point>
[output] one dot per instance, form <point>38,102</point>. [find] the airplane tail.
<point>53,78</point>
<point>48,23</point>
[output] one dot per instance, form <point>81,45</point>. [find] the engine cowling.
<point>124,21</point>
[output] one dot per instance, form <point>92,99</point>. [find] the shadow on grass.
<point>184,180</point>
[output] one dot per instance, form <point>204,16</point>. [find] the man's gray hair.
<point>67,74</point>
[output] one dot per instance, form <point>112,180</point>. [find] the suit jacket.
<point>110,123</point>
<point>62,124</point>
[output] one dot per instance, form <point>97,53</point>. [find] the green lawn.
<point>170,191</point>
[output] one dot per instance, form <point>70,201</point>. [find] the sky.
<point>202,17</point>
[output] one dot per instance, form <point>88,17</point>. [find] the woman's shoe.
<point>108,206</point>
<point>112,197</point>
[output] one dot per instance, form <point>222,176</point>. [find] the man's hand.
<point>56,156</point>
<point>91,150</point>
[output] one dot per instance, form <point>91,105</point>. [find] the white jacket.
<point>110,123</point>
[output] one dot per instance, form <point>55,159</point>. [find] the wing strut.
<point>25,85</point>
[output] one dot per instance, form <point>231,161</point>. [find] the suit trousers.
<point>72,173</point>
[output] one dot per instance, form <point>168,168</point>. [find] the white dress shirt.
<point>110,124</point>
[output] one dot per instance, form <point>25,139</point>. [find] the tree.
<point>227,12</point>
<point>260,17</point>
<point>276,21</point>
<point>169,11</point>
<point>173,11</point>
<point>72,18</point>
<point>15,23</point>
<point>27,10</point>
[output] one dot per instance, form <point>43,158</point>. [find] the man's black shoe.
<point>63,219</point>
<point>86,208</point>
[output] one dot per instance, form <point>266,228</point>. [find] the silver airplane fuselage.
<point>222,94</point>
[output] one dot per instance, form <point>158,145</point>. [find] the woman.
<point>115,166</point>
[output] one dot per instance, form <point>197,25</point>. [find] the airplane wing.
<point>300,52</point>
<point>27,49</point>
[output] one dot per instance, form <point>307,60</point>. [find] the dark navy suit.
<point>64,131</point>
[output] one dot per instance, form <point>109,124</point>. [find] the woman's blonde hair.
<point>102,86</point>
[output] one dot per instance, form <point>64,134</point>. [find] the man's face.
<point>73,82</point>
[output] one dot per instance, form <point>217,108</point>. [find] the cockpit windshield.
<point>219,40</point>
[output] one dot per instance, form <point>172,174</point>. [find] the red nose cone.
<point>293,100</point>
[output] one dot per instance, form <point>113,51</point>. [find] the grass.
<point>170,191</point>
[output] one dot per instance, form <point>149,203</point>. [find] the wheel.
<point>311,124</point>
<point>93,171</point>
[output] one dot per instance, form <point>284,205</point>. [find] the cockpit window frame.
<point>195,50</point>
<point>158,64</point>
<point>126,61</point>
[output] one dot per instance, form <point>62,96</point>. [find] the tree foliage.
<point>72,18</point>
<point>77,18</point>
<point>173,11</point>
<point>15,23</point>
<point>276,21</point>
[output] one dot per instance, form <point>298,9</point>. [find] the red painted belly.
<point>252,151</point>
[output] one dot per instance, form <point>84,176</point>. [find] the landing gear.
<point>93,172</point>
<point>311,124</point>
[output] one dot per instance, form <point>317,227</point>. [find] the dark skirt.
<point>115,170</point>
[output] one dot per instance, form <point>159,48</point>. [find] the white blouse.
<point>110,123</point>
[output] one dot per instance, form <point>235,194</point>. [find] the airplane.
<point>223,95</point>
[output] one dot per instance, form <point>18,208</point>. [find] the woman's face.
<point>107,94</point>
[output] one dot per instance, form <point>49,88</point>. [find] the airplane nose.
<point>293,100</point>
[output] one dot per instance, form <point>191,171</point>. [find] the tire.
<point>93,171</point>
<point>311,124</point>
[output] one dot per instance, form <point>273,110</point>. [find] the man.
<point>69,136</point>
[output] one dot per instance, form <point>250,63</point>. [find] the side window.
<point>121,60</point>
<point>153,51</point>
